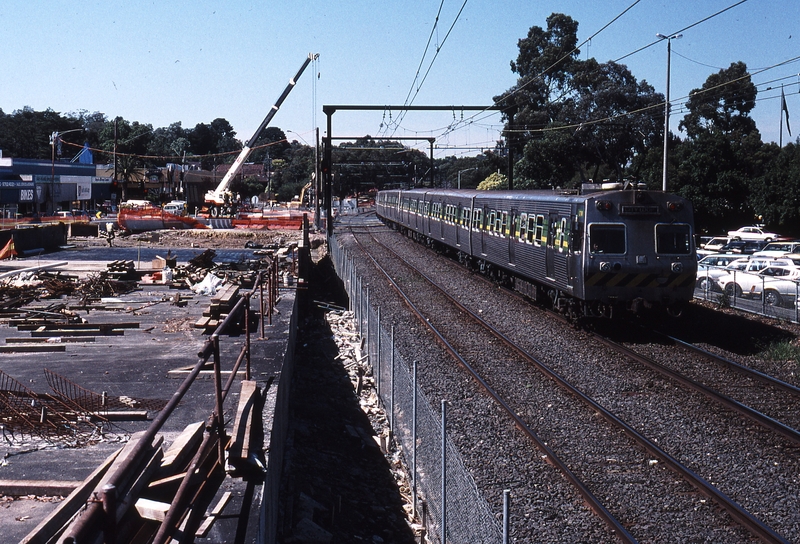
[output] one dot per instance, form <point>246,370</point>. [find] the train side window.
<point>498,223</point>
<point>607,238</point>
<point>477,218</point>
<point>503,226</point>
<point>465,213</point>
<point>562,235</point>
<point>539,234</point>
<point>673,239</point>
<point>531,234</point>
<point>522,221</point>
<point>490,220</point>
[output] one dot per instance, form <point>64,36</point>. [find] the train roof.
<point>555,195</point>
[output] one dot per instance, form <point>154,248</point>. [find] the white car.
<point>778,249</point>
<point>752,233</point>
<point>707,273</point>
<point>715,244</point>
<point>777,283</point>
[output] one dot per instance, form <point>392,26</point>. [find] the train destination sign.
<point>630,209</point>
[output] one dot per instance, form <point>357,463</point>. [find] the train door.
<point>513,232</point>
<point>482,227</point>
<point>458,221</point>
<point>472,221</point>
<point>550,248</point>
<point>575,246</point>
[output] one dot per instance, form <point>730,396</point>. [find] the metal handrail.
<point>91,519</point>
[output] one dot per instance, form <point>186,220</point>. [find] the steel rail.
<point>734,509</point>
<point>724,400</point>
<point>736,367</point>
<point>593,502</point>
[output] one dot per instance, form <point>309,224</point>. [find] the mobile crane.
<point>221,202</point>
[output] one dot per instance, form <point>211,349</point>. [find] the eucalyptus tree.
<point>722,152</point>
<point>573,119</point>
<point>776,193</point>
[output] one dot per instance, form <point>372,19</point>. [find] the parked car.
<point>743,247</point>
<point>777,283</point>
<point>715,244</point>
<point>752,233</point>
<point>777,249</point>
<point>716,260</point>
<point>707,276</point>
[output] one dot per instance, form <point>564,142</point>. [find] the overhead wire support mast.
<point>329,110</point>
<point>220,201</point>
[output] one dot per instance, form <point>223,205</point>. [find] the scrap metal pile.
<point>22,289</point>
<point>29,286</point>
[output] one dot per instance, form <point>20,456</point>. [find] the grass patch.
<point>783,350</point>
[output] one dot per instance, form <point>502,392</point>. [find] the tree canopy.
<point>567,120</point>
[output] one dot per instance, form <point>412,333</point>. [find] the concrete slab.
<point>142,364</point>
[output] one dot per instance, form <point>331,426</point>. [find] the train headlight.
<point>605,267</point>
<point>677,268</point>
<point>674,206</point>
<point>603,205</point>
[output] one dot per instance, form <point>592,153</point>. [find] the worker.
<point>110,233</point>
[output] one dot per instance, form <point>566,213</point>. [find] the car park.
<point>777,249</point>
<point>743,247</point>
<point>752,233</point>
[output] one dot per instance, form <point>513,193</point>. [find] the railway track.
<point>625,392</point>
<point>737,512</point>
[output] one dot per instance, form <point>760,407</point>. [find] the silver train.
<point>588,253</point>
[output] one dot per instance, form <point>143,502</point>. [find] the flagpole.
<point>783,101</point>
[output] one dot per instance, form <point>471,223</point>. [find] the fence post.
<point>378,359</point>
<point>220,417</point>
<point>247,335</point>
<point>391,383</point>
<point>414,442</point>
<point>506,523</point>
<point>261,301</point>
<point>444,471</point>
<point>110,512</point>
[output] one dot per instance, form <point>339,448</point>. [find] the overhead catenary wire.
<point>410,100</point>
<point>696,23</point>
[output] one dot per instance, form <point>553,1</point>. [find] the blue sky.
<point>166,61</point>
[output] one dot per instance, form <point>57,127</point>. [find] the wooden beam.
<point>205,527</point>
<point>183,448</point>
<point>33,348</point>
<point>239,448</point>
<point>65,339</point>
<point>54,524</point>
<point>152,510</point>
<point>52,488</point>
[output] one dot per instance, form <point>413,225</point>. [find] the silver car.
<point>707,272</point>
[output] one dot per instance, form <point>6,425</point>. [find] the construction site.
<point>143,389</point>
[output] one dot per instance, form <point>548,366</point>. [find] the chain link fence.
<point>444,493</point>
<point>771,296</point>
